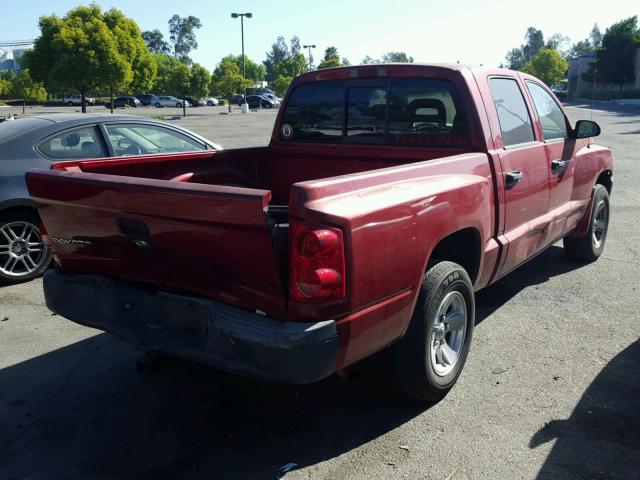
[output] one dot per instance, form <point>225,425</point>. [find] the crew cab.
<point>387,196</point>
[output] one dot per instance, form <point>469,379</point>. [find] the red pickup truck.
<point>387,195</point>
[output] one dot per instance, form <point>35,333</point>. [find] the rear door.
<point>525,175</point>
<point>207,239</point>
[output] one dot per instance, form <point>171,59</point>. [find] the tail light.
<point>316,264</point>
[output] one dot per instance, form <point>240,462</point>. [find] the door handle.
<point>512,178</point>
<point>558,165</point>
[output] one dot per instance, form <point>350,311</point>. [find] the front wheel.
<point>429,359</point>
<point>590,246</point>
<point>23,255</point>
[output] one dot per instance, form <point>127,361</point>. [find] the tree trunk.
<point>111,95</point>
<point>229,103</point>
<point>184,107</point>
<point>83,104</point>
<point>24,104</point>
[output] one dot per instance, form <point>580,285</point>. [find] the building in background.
<point>580,87</point>
<point>10,53</point>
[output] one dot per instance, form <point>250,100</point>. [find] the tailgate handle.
<point>133,229</point>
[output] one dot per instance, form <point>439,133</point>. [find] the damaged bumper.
<point>199,329</point>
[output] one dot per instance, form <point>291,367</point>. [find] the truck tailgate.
<point>208,239</point>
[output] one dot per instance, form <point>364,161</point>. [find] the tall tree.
<point>595,37</point>
<point>396,57</point>
<point>227,80</point>
<point>558,42</point>
<point>180,83</point>
<point>331,58</point>
<point>166,65</point>
<point>534,41</point>
<point>22,86</point>
<point>579,48</point>
<point>279,51</point>
<point>253,71</point>
<point>182,32</point>
<point>548,65</point>
<point>515,59</point>
<point>78,52</point>
<point>367,60</point>
<point>615,60</point>
<point>295,45</point>
<point>155,41</point>
<point>200,80</point>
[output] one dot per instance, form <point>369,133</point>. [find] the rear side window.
<point>80,143</point>
<point>419,111</point>
<point>551,117</point>
<point>515,122</point>
<point>135,139</point>
<point>315,113</point>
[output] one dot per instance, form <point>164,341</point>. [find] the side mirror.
<point>586,129</point>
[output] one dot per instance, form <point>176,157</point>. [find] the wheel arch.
<point>462,247</point>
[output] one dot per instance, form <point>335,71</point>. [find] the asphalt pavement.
<point>551,389</point>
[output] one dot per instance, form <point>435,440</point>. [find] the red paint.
<point>390,205</point>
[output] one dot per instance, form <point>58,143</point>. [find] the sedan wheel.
<point>23,255</point>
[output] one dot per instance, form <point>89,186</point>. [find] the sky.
<point>465,31</point>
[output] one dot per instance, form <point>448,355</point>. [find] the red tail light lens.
<point>316,264</point>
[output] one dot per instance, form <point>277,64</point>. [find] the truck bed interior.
<point>269,168</point>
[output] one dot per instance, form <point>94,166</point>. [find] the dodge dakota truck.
<point>387,196</point>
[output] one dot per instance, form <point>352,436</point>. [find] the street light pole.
<point>244,71</point>
<point>309,47</point>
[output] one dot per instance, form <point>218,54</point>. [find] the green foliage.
<point>331,59</point>
<point>183,36</point>
<point>254,71</point>
<point>367,60</point>
<point>155,41</point>
<point>180,80</point>
<point>132,46</point>
<point>23,86</point>
<point>227,79</point>
<point>281,61</point>
<point>548,65</point>
<point>518,57</point>
<point>595,37</point>
<point>199,81</point>
<point>615,60</point>
<point>396,57</point>
<point>165,65</point>
<point>5,87</point>
<point>580,48</point>
<point>281,84</point>
<point>87,50</point>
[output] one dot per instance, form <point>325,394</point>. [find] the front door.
<point>525,175</point>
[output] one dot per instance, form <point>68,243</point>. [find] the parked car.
<point>147,99</point>
<point>259,101</point>
<point>196,102</point>
<point>391,194</point>
<point>77,100</point>
<point>273,98</point>
<point>122,102</point>
<point>169,101</point>
<point>237,98</point>
<point>211,102</point>
<point>39,142</point>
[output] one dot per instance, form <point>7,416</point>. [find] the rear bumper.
<point>203,330</point>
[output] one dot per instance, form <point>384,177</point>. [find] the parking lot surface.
<point>551,389</point>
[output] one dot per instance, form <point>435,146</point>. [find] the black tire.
<point>70,104</point>
<point>178,105</point>
<point>158,105</point>
<point>589,247</point>
<point>41,261</point>
<point>415,373</point>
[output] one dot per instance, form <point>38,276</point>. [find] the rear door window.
<point>515,122</point>
<point>79,143</point>
<point>315,113</point>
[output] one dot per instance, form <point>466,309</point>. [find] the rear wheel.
<point>429,359</point>
<point>23,255</point>
<point>158,105</point>
<point>70,104</point>
<point>590,246</point>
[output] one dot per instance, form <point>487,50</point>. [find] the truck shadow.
<point>548,264</point>
<point>83,411</point>
<point>601,438</point>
